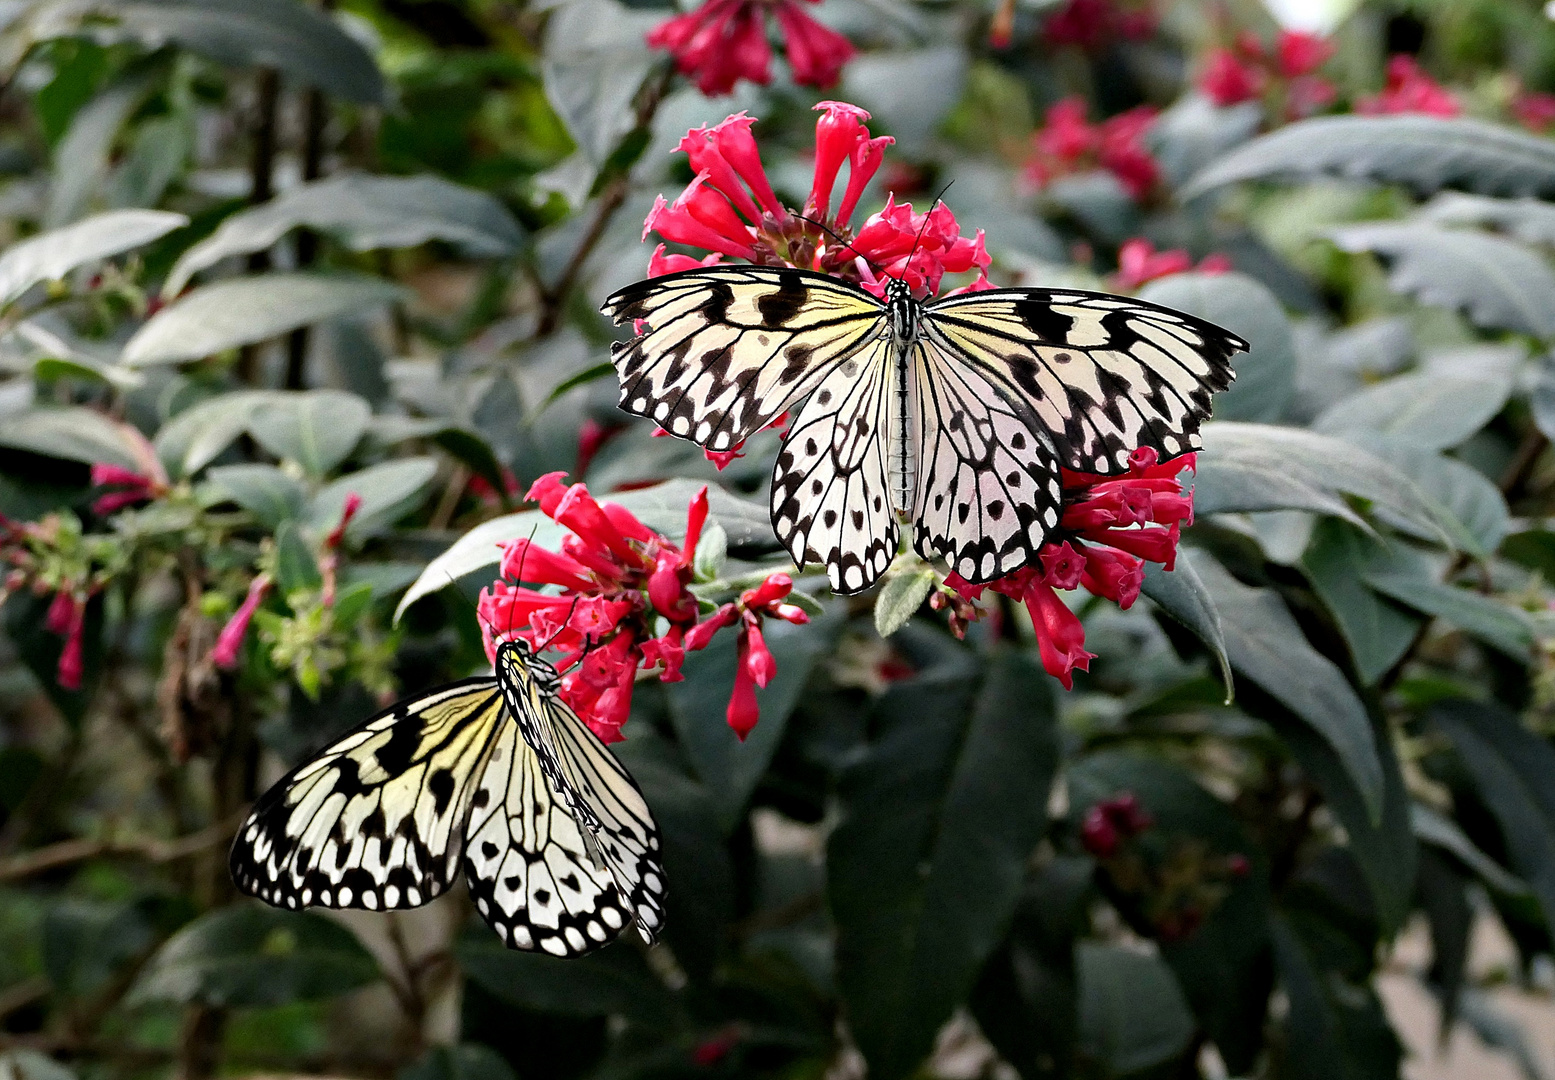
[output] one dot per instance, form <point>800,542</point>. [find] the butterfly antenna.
<point>518,578</point>
<point>563,626</point>
<point>474,607</point>
<point>925,226</point>
<point>874,266</point>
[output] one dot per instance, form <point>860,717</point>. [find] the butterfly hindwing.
<point>722,351</point>
<point>375,821</point>
<point>1101,374</point>
<point>831,493</point>
<point>530,869</point>
<point>989,489</point>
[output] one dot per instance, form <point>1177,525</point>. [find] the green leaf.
<point>318,429</point>
<point>1182,595</point>
<point>1472,508</point>
<point>925,868</point>
<point>198,435</point>
<point>1251,467</point>
<point>388,491</point>
<point>305,45</point>
<point>74,434</point>
<point>1336,1029</point>
<point>1377,631</point>
<point>613,981</point>
<point>900,598</point>
<point>1383,845</point>
<point>464,1061</point>
<point>1431,826</point>
<point>362,213</point>
<point>263,490</point>
<point>1268,648</point>
<point>55,253</point>
<point>295,566</point>
<point>1511,768</point>
<point>25,1064</point>
<point>1266,373</point>
<point>82,158</point>
<point>595,59</point>
<point>86,943</point>
<point>248,955</point>
<point>1132,1014</point>
<point>728,766</point>
<point>1498,283</point>
<point>465,445</point>
<point>1428,409</point>
<point>241,311</point>
<point>582,378</point>
<point>909,90</point>
<point>1423,152</point>
<point>1497,624</point>
<point>1529,220</point>
<point>661,507</point>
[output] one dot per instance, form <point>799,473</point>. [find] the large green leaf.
<point>1424,152</point>
<point>317,429</point>
<point>265,491</point>
<point>1336,1028</point>
<point>74,434</point>
<point>1377,630</point>
<point>728,766</point>
<point>55,253</point>
<point>195,437</point>
<point>1266,373</point>
<point>1497,624</point>
<point>1268,648</point>
<point>925,867</point>
<point>284,34</point>
<point>1499,283</point>
<point>1428,409</point>
<point>83,157</point>
<point>1511,768</point>
<point>1473,510</point>
<point>362,213</point>
<point>595,60</point>
<point>242,311</point>
<point>1132,1013</point>
<point>1530,220</point>
<point>255,956</point>
<point>1182,595</point>
<point>388,490</point>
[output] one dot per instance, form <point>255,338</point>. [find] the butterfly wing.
<point>723,351</point>
<point>1101,374</point>
<point>377,820</point>
<point>989,490</point>
<point>530,870</point>
<point>831,495</point>
<point>594,793</point>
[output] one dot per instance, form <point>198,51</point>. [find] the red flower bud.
<point>1098,835</point>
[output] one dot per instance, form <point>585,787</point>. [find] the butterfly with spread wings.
<point>956,414</point>
<point>496,775</point>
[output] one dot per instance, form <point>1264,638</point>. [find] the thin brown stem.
<point>261,169</point>
<point>149,850</point>
<point>315,118</point>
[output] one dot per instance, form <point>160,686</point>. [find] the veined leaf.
<point>55,253</point>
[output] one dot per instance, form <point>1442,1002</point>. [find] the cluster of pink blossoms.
<point>1068,143</point>
<point>1410,90</point>
<point>622,602</point>
<point>730,210</point>
<point>1248,71</point>
<point>1092,25</point>
<point>1110,527</point>
<point>724,41</point>
<point>1139,262</point>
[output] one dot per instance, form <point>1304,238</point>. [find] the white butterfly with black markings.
<point>496,776</point>
<point>956,414</point>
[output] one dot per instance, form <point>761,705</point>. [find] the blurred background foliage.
<point>262,255</point>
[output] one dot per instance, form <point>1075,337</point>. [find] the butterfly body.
<point>493,776</point>
<point>953,416</point>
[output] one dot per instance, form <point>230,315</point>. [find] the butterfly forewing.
<point>831,491</point>
<point>1103,375</point>
<point>722,352</point>
<point>989,490</point>
<point>377,819</point>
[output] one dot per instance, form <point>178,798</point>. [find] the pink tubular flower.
<point>618,602</point>
<point>225,652</point>
<point>1227,79</point>
<point>730,210</point>
<point>1534,110</point>
<point>1093,24</point>
<point>1250,72</point>
<point>1139,262</point>
<point>130,488</point>
<point>67,618</point>
<point>1069,144</point>
<point>1110,527</point>
<point>1410,90</point>
<point>1299,53</point>
<point>725,41</point>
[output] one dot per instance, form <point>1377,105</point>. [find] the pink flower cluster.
<point>1139,262</point>
<point>1112,821</point>
<point>621,601</point>
<point>724,41</point>
<point>1092,25</point>
<point>1249,70</point>
<point>730,210</point>
<point>1110,528</point>
<point>1068,143</point>
<point>1410,90</point>
<point>1534,110</point>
